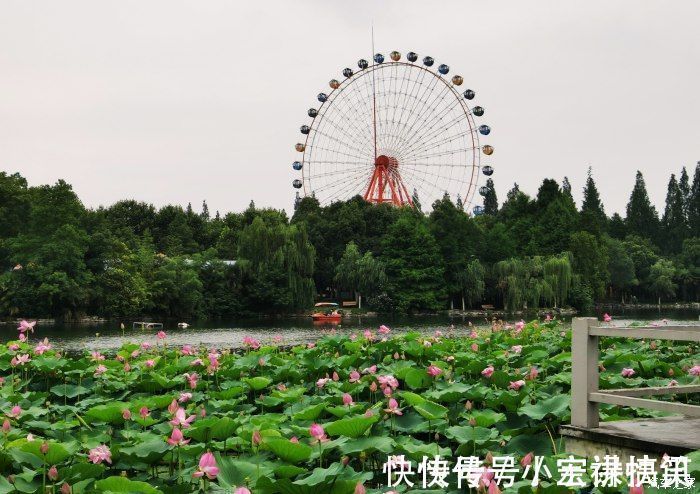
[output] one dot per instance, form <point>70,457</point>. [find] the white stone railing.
<point>585,395</point>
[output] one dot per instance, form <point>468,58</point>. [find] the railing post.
<point>584,373</point>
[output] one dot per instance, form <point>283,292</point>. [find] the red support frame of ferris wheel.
<point>386,175</point>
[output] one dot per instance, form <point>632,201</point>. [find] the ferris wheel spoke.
<point>354,135</point>
<point>419,100</point>
<point>357,150</point>
<point>340,172</point>
<point>414,127</point>
<point>436,131</point>
<point>441,153</point>
<point>343,187</point>
<point>402,101</point>
<point>424,135</point>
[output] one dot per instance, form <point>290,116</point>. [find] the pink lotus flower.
<point>22,337</point>
<point>527,459</point>
<point>187,350</point>
<point>207,466</point>
<point>316,431</point>
<point>26,326</point>
<point>184,397</point>
<point>488,371</point>
<point>241,490</point>
<point>475,347</point>
<point>196,362</point>
<point>434,371</point>
<point>294,440</point>
<point>519,325</point>
<point>373,386</point>
<point>176,438</point>
<point>181,419</point>
<point>42,347</point>
<point>20,360</point>
<point>100,369</point>
<point>192,379</point>
<point>15,412</point>
<point>172,408</point>
<point>347,399</point>
<point>694,370</point>
<point>368,335</point>
<point>393,408</point>
<point>354,376</point>
<point>143,412</point>
<point>150,363</point>
<point>251,343</point>
<point>387,391</point>
<point>311,345</point>
<point>532,375</point>
<point>516,385</point>
<point>360,489</point>
<point>370,370</point>
<point>516,348</point>
<point>127,367</point>
<point>135,354</point>
<point>335,376</point>
<point>100,454</point>
<point>606,317</point>
<point>384,329</point>
<point>6,426</point>
<point>126,414</point>
<point>161,335</point>
<point>547,318</point>
<point>389,381</point>
<point>627,372</point>
<point>146,345</point>
<point>53,473</point>
<point>96,356</point>
<point>13,347</point>
<point>322,382</point>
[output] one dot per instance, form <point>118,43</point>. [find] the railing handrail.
<point>585,394</point>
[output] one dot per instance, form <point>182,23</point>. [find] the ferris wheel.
<point>394,132</point>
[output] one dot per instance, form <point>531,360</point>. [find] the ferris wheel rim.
<point>469,185</point>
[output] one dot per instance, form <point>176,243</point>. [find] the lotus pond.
<point>314,418</point>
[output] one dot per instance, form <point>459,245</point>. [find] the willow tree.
<point>361,274</point>
<point>471,282</point>
<point>531,281</point>
<point>278,262</point>
<point>559,275</point>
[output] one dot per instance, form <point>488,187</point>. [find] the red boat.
<point>321,317</point>
<point>332,316</point>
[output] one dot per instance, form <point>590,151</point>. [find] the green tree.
<point>472,283</point>
<point>642,218</point>
<point>175,288</point>
<point>362,274</point>
<point>621,268</point>
<point>673,223</point>
<point>661,279</point>
<point>414,266</point>
<point>490,198</point>
<point>593,218</point>
<point>590,262</point>
<point>694,204</point>
<point>617,227</point>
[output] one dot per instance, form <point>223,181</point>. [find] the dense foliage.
<point>60,259</point>
<point>313,418</point>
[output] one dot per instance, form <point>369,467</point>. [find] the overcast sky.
<point>178,101</point>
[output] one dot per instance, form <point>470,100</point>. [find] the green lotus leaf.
<point>118,484</point>
<point>257,383</point>
<point>287,450</point>
<point>351,426</point>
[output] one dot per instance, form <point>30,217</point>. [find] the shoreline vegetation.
<point>61,260</point>
<point>324,416</point>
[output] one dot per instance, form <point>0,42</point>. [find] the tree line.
<point>61,259</point>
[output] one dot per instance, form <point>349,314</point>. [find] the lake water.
<point>293,330</point>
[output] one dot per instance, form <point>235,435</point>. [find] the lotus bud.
<point>53,473</point>
<point>65,488</point>
<point>472,422</point>
<point>652,345</point>
<point>126,414</point>
<point>345,460</point>
<point>468,405</point>
<point>11,478</point>
<point>6,426</point>
<point>44,448</point>
<point>257,438</point>
<point>437,436</point>
<point>489,458</point>
<point>670,372</point>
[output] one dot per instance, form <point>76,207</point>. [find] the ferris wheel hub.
<point>386,161</point>
<point>386,184</point>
